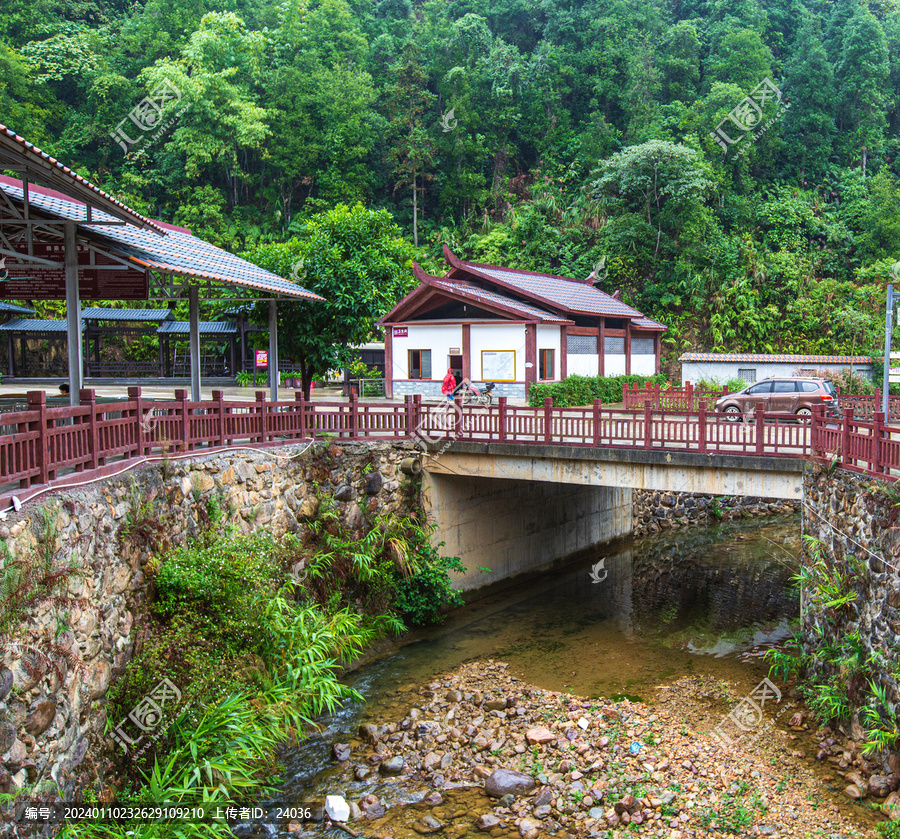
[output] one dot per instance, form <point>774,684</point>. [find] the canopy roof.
<point>12,308</point>
<point>36,325</point>
<point>216,327</point>
<point>128,315</point>
<point>761,358</point>
<point>17,154</point>
<point>563,293</point>
<point>176,252</point>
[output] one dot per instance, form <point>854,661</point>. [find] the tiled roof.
<point>475,293</point>
<point>775,359</point>
<point>53,174</point>
<point>180,327</point>
<point>33,325</point>
<point>130,315</point>
<point>177,252</point>
<point>568,294</point>
<point>647,323</point>
<point>12,308</point>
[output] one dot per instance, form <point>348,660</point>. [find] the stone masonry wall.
<point>52,730</point>
<point>655,511</point>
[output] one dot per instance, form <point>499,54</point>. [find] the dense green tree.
<point>357,260</point>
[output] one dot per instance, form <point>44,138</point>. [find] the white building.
<point>511,327</point>
<point>750,367</point>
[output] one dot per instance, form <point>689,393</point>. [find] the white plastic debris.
<point>336,808</point>
<point>583,724</point>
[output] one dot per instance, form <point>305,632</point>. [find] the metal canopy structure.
<point>66,232</point>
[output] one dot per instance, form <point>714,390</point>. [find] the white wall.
<point>497,336</point>
<point>548,338</point>
<point>614,365</point>
<point>583,365</point>
<point>438,339</point>
<point>643,365</point>
<point>722,371</point>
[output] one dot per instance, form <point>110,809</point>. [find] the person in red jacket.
<point>448,385</point>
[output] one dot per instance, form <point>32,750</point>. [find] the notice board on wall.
<point>498,365</point>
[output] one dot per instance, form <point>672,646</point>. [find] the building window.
<point>546,364</point>
<point>581,344</point>
<point>420,364</point>
<point>643,346</point>
<point>747,374</point>
<point>613,346</point>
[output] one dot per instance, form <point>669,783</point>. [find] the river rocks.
<point>853,791</point>
<point>539,736</point>
<point>392,766</point>
<point>427,824</point>
<point>40,717</point>
<point>369,733</point>
<point>343,493</point>
<point>487,821</point>
<point>891,806</point>
<point>340,752</point>
<point>508,782</point>
<point>336,808</point>
<point>374,482</point>
<point>6,683</point>
<point>7,736</point>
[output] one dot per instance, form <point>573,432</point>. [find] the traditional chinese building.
<point>512,327</point>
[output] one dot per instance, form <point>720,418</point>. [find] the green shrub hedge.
<point>583,390</point>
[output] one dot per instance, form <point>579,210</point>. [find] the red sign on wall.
<point>262,358</point>
<point>401,332</point>
<point>99,277</point>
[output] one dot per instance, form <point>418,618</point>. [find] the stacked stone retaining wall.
<point>656,511</point>
<point>52,729</point>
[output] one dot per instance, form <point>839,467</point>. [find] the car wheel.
<point>732,413</point>
<point>804,412</point>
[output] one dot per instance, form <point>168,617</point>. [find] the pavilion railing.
<point>43,442</point>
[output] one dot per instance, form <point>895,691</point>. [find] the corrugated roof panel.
<point>131,315</point>
<point>177,252</point>
<point>14,309</point>
<point>759,358</point>
<point>647,323</point>
<point>34,325</point>
<point>179,327</point>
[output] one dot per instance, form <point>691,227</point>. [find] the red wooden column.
<point>182,396</point>
<point>846,458</point>
<point>37,401</point>
<point>389,362</point>
<point>261,409</point>
<point>219,399</point>
<point>501,419</point>
<point>467,352</point>
<point>88,398</point>
<point>601,348</point>
<point>530,355</point>
<point>627,347</point>
<point>657,349</point>
<point>134,395</point>
<point>701,428</point>
<point>301,410</point>
<point>877,438</point>
<point>563,352</point>
<point>548,419</point>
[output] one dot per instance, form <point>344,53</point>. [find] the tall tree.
<point>357,260</point>
<point>410,106</point>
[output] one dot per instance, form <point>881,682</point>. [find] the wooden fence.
<point>43,442</point>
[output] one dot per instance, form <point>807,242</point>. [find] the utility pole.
<point>888,329</point>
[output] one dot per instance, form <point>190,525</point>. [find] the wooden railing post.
<point>88,398</point>
<point>354,414</point>
<point>182,397</point>
<point>846,459</point>
<point>458,418</point>
<point>625,395</point>
<point>548,419</point>
<point>219,399</point>
<point>408,409</point>
<point>597,420</point>
<point>690,396</point>
<point>760,427</point>
<point>37,401</point>
<point>815,431</point>
<point>300,407</point>
<point>261,410</point>
<point>701,426</point>
<point>877,436</point>
<point>648,427</point>
<point>134,395</point>
<point>501,419</point>
<point>311,418</point>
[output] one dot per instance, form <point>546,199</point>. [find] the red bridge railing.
<point>40,443</point>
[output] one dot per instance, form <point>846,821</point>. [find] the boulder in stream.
<point>508,782</point>
<point>392,766</point>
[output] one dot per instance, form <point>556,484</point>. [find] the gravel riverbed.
<point>479,752</point>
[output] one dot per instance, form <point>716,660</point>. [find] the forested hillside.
<point>554,135</point>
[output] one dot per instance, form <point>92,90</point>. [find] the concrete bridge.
<point>519,508</point>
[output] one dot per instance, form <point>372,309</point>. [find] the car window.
<point>829,388</point>
<point>762,387</point>
<point>809,387</point>
<point>785,387</point>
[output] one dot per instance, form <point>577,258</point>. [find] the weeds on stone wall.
<point>836,673</point>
